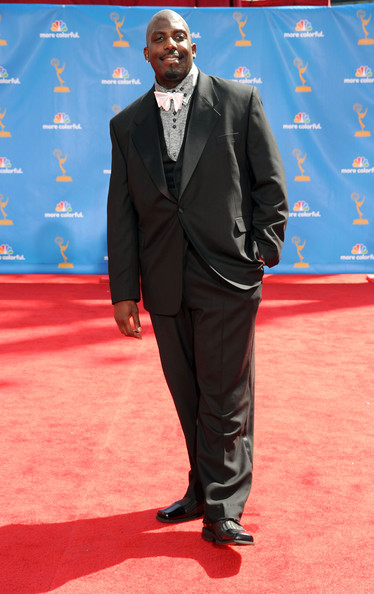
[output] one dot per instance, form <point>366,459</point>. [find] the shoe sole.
<point>209,536</point>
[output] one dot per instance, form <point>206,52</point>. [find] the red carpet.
<point>90,447</point>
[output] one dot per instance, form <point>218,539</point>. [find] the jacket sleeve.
<point>269,191</point>
<point>122,231</point>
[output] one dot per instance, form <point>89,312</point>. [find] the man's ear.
<point>146,54</point>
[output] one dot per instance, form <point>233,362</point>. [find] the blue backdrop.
<point>65,71</point>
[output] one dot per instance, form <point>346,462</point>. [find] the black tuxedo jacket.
<point>232,203</point>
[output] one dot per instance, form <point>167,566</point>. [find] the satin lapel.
<point>146,139</point>
<point>204,117</point>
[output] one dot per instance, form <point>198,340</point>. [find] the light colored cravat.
<point>164,99</point>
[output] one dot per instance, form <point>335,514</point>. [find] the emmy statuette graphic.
<point>3,203</point>
<point>302,69</point>
<point>61,178</point>
<point>296,242</point>
<point>356,198</point>
<point>59,70</point>
<point>120,42</point>
<point>300,160</point>
<point>63,248</point>
<point>237,16</point>
<point>361,114</point>
<point>3,132</point>
<point>2,41</point>
<point>366,40</point>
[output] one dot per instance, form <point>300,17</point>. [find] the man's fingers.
<point>133,332</point>
<point>136,334</point>
<point>137,325</point>
<point>126,312</point>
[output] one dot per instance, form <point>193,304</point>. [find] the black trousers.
<point>207,355</point>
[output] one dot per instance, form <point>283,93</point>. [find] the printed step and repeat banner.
<point>66,70</point>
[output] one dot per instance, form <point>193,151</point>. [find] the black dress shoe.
<point>181,511</point>
<point>227,531</point>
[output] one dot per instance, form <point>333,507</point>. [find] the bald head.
<point>166,15</point>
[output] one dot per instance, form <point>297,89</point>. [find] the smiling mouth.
<point>170,58</point>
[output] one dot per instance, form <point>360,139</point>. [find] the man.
<point>197,205</point>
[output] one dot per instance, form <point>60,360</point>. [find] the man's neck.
<point>192,73</point>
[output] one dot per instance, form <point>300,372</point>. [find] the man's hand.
<point>123,312</point>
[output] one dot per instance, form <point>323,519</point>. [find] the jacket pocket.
<point>244,225</point>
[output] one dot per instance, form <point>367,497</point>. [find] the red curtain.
<point>186,3</point>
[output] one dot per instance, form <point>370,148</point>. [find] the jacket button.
<point>180,210</point>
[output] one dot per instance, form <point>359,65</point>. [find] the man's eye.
<point>180,37</point>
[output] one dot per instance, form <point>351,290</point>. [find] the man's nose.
<point>170,43</point>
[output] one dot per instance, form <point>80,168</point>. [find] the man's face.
<point>169,48</point>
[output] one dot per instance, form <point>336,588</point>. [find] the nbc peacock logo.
<point>243,75</point>
<point>301,118</point>
<point>6,166</point>
<point>7,253</point>
<point>363,75</point>
<point>358,253</point>
<point>303,29</point>
<point>59,29</point>
<point>364,72</point>
<point>359,249</point>
<point>121,76</point>
<point>5,79</point>
<point>302,121</point>
<point>301,206</point>
<point>120,73</point>
<point>301,209</point>
<point>63,206</point>
<point>6,249</point>
<point>61,118</point>
<point>360,164</point>
<point>304,25</point>
<point>5,163</point>
<point>61,121</point>
<point>63,210</point>
<point>242,72</point>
